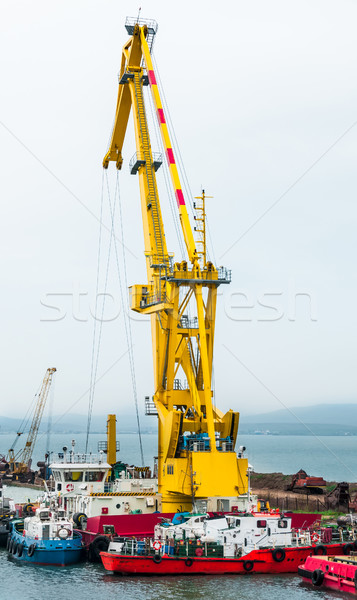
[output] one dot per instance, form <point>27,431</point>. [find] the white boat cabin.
<point>48,525</point>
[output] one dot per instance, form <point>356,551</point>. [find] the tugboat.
<point>47,538</point>
<point>336,572</point>
<point>236,544</point>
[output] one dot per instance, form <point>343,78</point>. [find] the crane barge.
<point>196,440</point>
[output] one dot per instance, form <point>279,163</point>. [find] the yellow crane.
<point>20,463</point>
<point>196,441</point>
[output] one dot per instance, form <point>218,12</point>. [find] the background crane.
<point>21,463</point>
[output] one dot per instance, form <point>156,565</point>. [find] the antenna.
<point>139,11</point>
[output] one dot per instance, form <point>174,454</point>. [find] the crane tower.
<point>196,441</point>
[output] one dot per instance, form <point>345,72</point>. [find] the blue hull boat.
<point>61,548</point>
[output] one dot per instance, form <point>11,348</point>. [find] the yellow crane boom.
<point>196,457</point>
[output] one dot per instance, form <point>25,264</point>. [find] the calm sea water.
<point>332,457</point>
<point>89,582</point>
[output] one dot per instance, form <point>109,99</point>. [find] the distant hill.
<point>344,414</point>
<point>72,424</point>
<point>321,419</point>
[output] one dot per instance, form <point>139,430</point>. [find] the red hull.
<point>336,576</point>
<point>257,561</point>
<point>139,526</point>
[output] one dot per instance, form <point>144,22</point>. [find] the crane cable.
<point>126,318</point>
<point>92,384</point>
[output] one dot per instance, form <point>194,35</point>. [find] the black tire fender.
<point>31,550</point>
<point>78,519</point>
<point>278,554</point>
<point>8,542</point>
<point>14,547</point>
<point>320,549</point>
<point>189,562</point>
<point>99,544</point>
<point>347,549</point>
<point>317,577</point>
<point>248,565</point>
<point>157,559</point>
<point>20,549</point>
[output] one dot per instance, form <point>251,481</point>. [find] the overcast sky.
<point>262,96</point>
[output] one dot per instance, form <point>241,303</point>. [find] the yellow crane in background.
<point>196,441</point>
<point>20,464</point>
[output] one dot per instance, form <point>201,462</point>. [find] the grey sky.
<point>257,92</point>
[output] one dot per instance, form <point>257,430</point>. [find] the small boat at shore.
<point>337,573</point>
<point>235,544</point>
<point>47,538</point>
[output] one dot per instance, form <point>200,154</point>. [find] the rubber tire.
<point>318,548</point>
<point>20,549</point>
<point>99,544</point>
<point>31,550</point>
<point>317,577</point>
<point>347,549</point>
<point>28,510</point>
<point>10,546</point>
<point>8,541</point>
<point>14,548</point>
<point>189,562</point>
<point>248,565</point>
<point>78,518</point>
<point>278,555</point>
<point>157,559</point>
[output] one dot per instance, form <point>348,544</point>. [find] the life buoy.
<point>317,577</point>
<point>315,537</point>
<point>199,551</point>
<point>248,565</point>
<point>347,549</point>
<point>31,549</point>
<point>157,558</point>
<point>157,545</point>
<point>278,554</point>
<point>69,487</point>
<point>320,549</point>
<point>189,562</point>
<point>63,533</point>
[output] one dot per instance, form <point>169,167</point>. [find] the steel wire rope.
<point>168,186</point>
<point>127,322</point>
<point>25,421</point>
<point>112,236</point>
<point>91,386</point>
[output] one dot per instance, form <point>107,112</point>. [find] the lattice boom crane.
<point>196,457</point>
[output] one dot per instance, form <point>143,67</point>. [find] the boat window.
<point>73,476</point>
<point>94,476</point>
<point>261,523</point>
<point>282,524</point>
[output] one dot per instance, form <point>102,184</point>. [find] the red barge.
<point>337,573</point>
